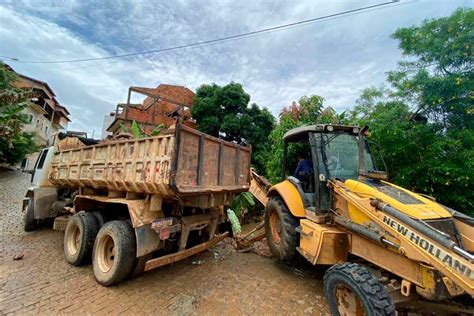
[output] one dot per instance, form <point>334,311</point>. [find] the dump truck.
<point>384,244</point>
<point>134,205</point>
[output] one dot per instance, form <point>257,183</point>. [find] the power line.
<point>202,43</point>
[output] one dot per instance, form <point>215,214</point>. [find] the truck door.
<point>42,164</point>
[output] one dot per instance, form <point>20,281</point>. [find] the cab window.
<point>41,159</point>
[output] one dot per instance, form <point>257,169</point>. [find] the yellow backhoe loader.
<point>385,243</point>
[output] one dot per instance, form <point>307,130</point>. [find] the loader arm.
<point>259,187</point>
<point>415,240</point>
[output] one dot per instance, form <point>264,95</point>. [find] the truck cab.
<point>43,200</point>
<point>41,195</point>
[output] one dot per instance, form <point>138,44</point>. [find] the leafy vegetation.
<point>224,112</point>
<point>424,120</point>
<point>138,132</point>
<point>14,143</point>
<point>242,202</point>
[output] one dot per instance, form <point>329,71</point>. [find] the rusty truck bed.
<point>181,161</point>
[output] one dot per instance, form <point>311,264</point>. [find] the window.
<point>46,130</point>
<point>41,159</point>
<point>24,164</point>
<point>341,152</point>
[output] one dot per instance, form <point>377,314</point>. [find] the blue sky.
<point>335,58</point>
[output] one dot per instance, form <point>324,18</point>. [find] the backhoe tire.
<point>29,221</point>
<point>79,237</point>
<point>280,229</point>
<point>114,252</point>
<point>351,289</point>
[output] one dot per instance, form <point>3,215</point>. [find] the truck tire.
<point>280,229</point>
<point>351,289</point>
<point>114,252</point>
<point>79,237</point>
<point>29,221</point>
<point>100,218</point>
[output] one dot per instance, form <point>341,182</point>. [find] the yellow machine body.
<point>328,244</point>
<point>290,195</point>
<point>412,204</point>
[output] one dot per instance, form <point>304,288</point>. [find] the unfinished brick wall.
<point>155,112</point>
<point>178,94</point>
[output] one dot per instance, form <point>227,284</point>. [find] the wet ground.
<point>218,281</point>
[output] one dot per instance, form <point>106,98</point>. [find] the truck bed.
<point>181,161</point>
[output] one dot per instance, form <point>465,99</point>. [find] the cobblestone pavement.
<point>218,281</point>
<point>224,283</point>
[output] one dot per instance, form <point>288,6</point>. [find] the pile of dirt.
<point>261,248</point>
<point>223,250</point>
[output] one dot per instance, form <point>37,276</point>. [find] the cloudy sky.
<point>334,58</point>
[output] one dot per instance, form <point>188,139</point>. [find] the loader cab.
<point>336,152</point>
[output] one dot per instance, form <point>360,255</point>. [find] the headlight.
<point>355,130</point>
<point>329,128</point>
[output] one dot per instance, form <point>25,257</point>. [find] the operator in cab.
<point>304,168</point>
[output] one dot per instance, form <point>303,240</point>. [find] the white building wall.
<point>108,119</point>
<point>43,128</point>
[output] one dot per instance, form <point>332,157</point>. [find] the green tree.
<point>14,143</point>
<point>224,112</point>
<point>308,110</point>
<point>424,121</point>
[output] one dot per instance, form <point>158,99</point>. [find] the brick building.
<point>161,106</point>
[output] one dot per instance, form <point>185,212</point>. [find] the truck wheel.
<point>100,218</point>
<point>351,289</point>
<point>79,237</point>
<point>29,221</point>
<point>114,252</point>
<point>280,229</point>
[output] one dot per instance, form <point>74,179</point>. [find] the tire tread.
<point>125,235</point>
<point>90,229</point>
<point>286,251</point>
<point>372,289</point>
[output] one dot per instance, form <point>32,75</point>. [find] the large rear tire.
<point>79,237</point>
<point>29,221</point>
<point>280,229</point>
<point>351,289</point>
<point>101,220</point>
<point>114,252</point>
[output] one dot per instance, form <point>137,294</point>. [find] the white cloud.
<point>335,58</point>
